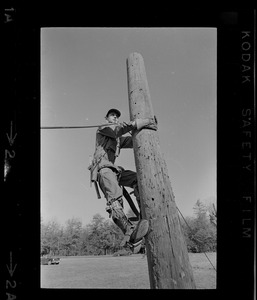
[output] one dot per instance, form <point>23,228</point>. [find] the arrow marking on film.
<point>11,138</point>
<point>11,269</point>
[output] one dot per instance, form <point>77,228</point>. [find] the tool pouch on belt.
<point>93,169</point>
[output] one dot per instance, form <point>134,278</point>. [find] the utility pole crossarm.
<point>167,256</point>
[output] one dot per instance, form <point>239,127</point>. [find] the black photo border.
<point>236,121</point>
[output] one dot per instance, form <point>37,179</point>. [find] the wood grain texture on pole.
<point>167,256</point>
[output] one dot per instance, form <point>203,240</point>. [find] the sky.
<point>83,75</point>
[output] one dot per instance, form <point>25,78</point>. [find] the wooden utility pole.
<point>167,256</point>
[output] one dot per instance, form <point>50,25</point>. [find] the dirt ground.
<point>118,272</point>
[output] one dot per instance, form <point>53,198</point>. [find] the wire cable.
<point>195,238</point>
<point>75,127</point>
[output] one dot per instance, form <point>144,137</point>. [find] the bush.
<point>200,233</point>
<point>122,252</point>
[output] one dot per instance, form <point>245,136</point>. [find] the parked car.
<point>50,260</point>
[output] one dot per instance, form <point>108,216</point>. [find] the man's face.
<point>112,118</point>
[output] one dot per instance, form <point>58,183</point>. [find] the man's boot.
<point>121,220</point>
<point>128,228</point>
<point>139,232</point>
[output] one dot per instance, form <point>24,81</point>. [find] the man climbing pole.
<point>111,178</point>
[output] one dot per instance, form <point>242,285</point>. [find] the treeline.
<point>201,230</point>
<point>101,236</point>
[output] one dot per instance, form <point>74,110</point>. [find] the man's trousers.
<point>109,181</point>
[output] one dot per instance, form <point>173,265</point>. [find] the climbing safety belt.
<point>131,204</point>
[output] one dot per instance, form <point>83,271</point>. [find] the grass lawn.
<point>130,272</point>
